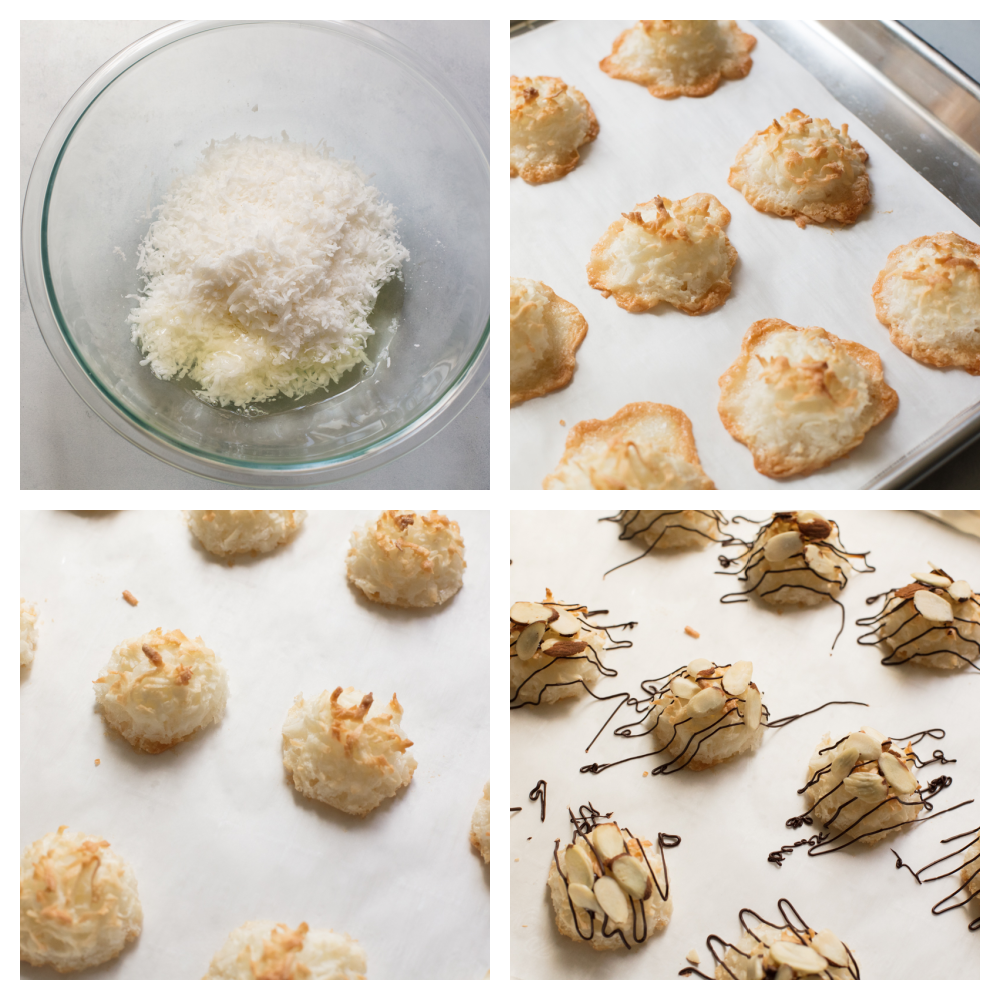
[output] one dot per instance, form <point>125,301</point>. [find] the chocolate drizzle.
<point>583,826</point>
<point>935,909</point>
<point>628,533</point>
<point>590,654</point>
<point>969,647</point>
<point>793,923</point>
<point>538,792</point>
<point>812,533</point>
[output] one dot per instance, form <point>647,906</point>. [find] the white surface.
<point>64,445</point>
<point>820,276</point>
<point>215,834</point>
<point>731,817</point>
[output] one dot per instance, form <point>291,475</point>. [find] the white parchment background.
<point>213,831</point>
<point>820,276</point>
<point>731,817</point>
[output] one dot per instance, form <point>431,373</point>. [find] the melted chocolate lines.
<point>625,536</point>
<point>935,909</point>
<point>788,719</point>
<point>799,930</point>
<point>899,655</point>
<point>583,826</point>
<point>538,792</point>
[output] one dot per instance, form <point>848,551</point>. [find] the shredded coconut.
<point>261,271</point>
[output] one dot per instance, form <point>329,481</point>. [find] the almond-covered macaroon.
<point>707,714</point>
<point>790,950</point>
<point>932,622</point>
<point>235,532</point>
<point>408,559</point>
<point>549,122</point>
<point>609,889</point>
<point>260,949</point>
<point>861,788</point>
<point>800,398</point>
<point>545,334</point>
<point>479,835</point>
<point>347,750</point>
<point>29,632</point>
<point>666,251</point>
<point>670,529</point>
<point>79,902</point>
<point>162,688</point>
<point>798,558</point>
<point>928,296</point>
<point>552,648</point>
<point>674,58</point>
<point>804,169</point>
<point>644,446</point>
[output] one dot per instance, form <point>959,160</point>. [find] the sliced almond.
<point>752,707</point>
<point>612,898</point>
<point>737,677</point>
<point>784,972</point>
<point>693,957</point>
<point>783,546</point>
<point>960,590</point>
<point>563,647</point>
<point>632,876</point>
<point>842,764</point>
<point>684,687</point>
<point>526,612</point>
<point>696,666</point>
<point>799,957</point>
<point>608,841</point>
<point>565,624</point>
<point>529,640</point>
<point>583,897</point>
<point>707,700</point>
<point>819,563</point>
<point>897,774</point>
<point>932,606</point>
<point>931,579</point>
<point>878,737</point>
<point>579,868</point>
<point>815,529</point>
<point>867,786</point>
<point>867,746</point>
<point>831,948</point>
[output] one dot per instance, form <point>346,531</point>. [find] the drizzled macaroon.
<point>932,622</point>
<point>608,888</point>
<point>670,529</point>
<point>552,648</point>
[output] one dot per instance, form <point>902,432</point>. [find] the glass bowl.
<point>144,118</point>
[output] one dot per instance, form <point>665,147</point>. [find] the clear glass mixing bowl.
<point>145,117</point>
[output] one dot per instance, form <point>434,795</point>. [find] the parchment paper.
<point>213,831</point>
<point>820,276</point>
<point>731,817</point>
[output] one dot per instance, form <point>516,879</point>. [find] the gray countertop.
<point>64,445</point>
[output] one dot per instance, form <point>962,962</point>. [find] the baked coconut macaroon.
<point>675,58</point>
<point>161,689</point>
<point>670,529</point>
<point>545,334</point>
<point>798,558</point>
<point>791,950</point>
<point>554,652</point>
<point>238,532</point>
<point>800,398</point>
<point>707,714</point>
<point>407,559</point>
<point>29,632</point>
<point>644,446</point>
<point>932,622</point>
<point>804,169</point>
<point>479,835</point>
<point>608,888</point>
<point>928,296</point>
<point>263,950</point>
<point>862,788</point>
<point>549,122</point>
<point>79,902</point>
<point>666,251</point>
<point>347,750</point>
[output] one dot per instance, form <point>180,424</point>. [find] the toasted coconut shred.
<point>261,271</point>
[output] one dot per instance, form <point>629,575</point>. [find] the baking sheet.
<point>213,831</point>
<point>731,817</point>
<point>820,276</point>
